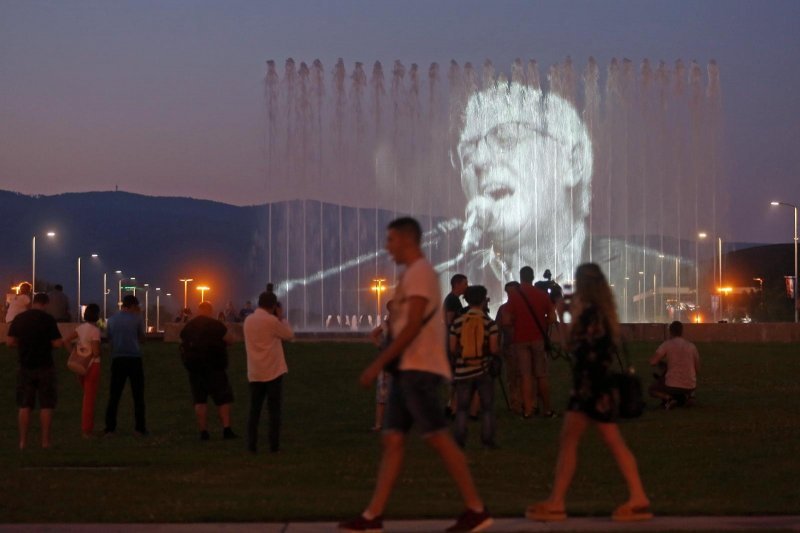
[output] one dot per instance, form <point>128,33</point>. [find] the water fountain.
<point>620,168</point>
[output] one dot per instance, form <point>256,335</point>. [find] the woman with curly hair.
<point>593,344</point>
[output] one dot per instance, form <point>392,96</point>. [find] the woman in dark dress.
<point>593,342</point>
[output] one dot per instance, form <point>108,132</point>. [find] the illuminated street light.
<point>185,296</point>
<point>203,289</point>
<point>80,318</point>
<point>146,307</point>
<point>701,235</point>
<point>50,234</point>
<point>378,288</point>
<point>796,310</point>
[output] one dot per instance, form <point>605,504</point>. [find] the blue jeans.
<point>465,389</point>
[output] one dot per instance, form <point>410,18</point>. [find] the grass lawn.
<point>735,453</point>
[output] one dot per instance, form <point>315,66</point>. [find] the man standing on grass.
<point>531,313</point>
<point>264,333</point>
<point>35,334</point>
<point>418,332</point>
<point>125,333</point>
<point>204,350</point>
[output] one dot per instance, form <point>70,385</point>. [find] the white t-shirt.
<point>427,351</point>
<point>18,304</point>
<point>88,333</point>
<point>263,336</point>
<point>681,357</point>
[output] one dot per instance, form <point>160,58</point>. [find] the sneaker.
<point>228,434</point>
<point>550,414</point>
<point>472,521</point>
<point>204,435</point>
<point>360,523</point>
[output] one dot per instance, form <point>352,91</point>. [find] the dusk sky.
<point>166,98</point>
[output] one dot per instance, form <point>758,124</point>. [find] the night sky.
<point>166,98</point>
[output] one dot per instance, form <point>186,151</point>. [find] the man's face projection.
<point>521,153</point>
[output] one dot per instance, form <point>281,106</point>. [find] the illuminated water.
<point>503,170</point>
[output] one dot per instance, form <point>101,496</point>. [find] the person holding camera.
<point>474,339</point>
<point>264,333</point>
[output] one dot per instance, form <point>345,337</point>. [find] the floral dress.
<point>593,349</point>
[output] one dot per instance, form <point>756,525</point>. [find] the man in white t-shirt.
<point>418,342</point>
<point>679,380</point>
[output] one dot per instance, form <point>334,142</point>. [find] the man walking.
<point>204,350</point>
<point>35,334</point>
<point>59,304</point>
<point>125,332</point>
<point>264,331</point>
<point>530,312</point>
<point>418,333</point>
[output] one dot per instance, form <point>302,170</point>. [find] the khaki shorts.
<point>531,358</point>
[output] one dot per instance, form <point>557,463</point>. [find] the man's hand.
<point>370,374</point>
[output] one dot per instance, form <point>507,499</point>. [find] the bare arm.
<point>658,356</point>
<point>71,338</point>
<point>453,342</point>
<point>416,310</point>
<point>494,344</point>
<point>95,349</point>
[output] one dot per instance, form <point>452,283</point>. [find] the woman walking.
<point>593,342</point>
<point>88,337</point>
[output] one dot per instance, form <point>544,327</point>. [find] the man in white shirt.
<point>682,363</point>
<point>418,342</point>
<point>264,333</point>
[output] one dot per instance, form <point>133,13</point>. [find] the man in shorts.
<point>677,385</point>
<point>531,313</point>
<point>204,342</point>
<point>418,341</point>
<point>35,334</point>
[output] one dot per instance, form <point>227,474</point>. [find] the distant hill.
<point>155,239</point>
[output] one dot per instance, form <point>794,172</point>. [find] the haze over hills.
<point>159,240</point>
<point>155,239</point>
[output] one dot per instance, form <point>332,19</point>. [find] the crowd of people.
<point>424,344</point>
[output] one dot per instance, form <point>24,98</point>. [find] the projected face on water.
<point>526,166</point>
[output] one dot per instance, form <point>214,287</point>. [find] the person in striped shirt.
<point>474,338</point>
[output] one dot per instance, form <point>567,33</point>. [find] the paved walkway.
<point>665,523</point>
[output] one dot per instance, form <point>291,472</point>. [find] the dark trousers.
<point>259,390</point>
<point>122,369</point>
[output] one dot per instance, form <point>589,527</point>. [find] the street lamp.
<point>761,290</point>
<point>147,307</point>
<point>378,288</point>
<point>185,285</point>
<point>119,288</point>
<point>701,235</point>
<point>203,289</point>
<point>50,234</point>
<point>796,311</point>
<point>158,309</point>
<point>94,256</point>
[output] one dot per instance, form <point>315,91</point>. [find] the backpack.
<point>472,336</point>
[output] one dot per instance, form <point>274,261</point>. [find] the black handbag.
<point>629,388</point>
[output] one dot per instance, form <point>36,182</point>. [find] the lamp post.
<point>158,309</point>
<point>106,292</point>
<point>185,296</point>
<point>203,289</point>
<point>642,289</point>
<point>701,235</point>
<point>378,288</point>
<point>94,256</point>
<point>119,289</point>
<point>761,290</point>
<point>50,234</point>
<point>793,206</point>
<point>147,307</point>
